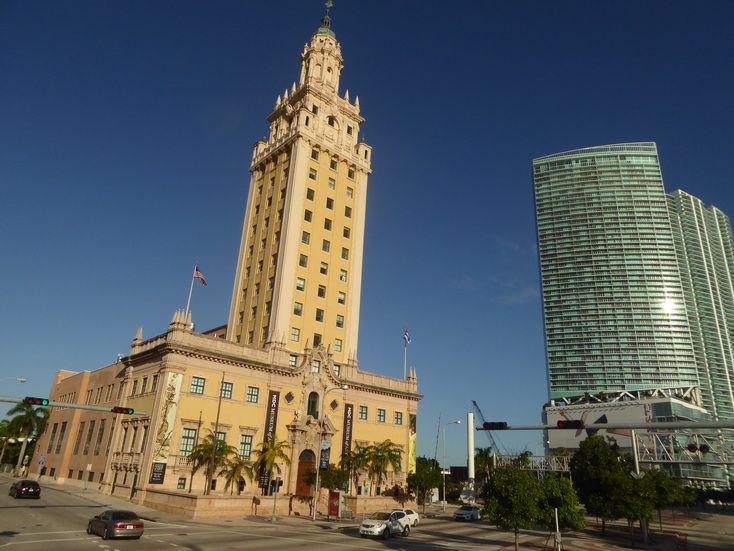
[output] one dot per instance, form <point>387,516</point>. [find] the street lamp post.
<point>443,468</point>
<point>322,413</point>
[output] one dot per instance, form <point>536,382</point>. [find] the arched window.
<point>313,405</point>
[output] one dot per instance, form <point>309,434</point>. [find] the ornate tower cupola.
<point>321,60</point>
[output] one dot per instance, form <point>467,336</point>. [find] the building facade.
<point>285,364</point>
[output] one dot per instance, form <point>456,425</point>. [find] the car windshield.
<point>124,515</point>
<point>466,508</point>
<point>380,515</point>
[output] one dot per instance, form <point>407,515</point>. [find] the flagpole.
<point>191,290</point>
<point>405,359</point>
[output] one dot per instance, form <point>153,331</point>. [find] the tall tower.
<point>613,296</point>
<point>299,270</point>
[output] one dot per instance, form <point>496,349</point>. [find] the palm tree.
<point>5,434</point>
<point>383,457</point>
<point>268,453</point>
<point>482,464</point>
<point>29,422</point>
<point>211,453</point>
<point>354,461</point>
<point>233,470</point>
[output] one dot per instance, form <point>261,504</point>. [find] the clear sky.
<point>126,132</point>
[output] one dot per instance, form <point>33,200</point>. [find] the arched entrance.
<point>307,460</point>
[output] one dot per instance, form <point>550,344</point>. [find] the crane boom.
<point>491,439</point>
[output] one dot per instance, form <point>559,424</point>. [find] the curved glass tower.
<point>613,295</point>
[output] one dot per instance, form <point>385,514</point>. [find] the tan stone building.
<point>286,361</point>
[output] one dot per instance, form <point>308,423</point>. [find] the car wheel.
<point>17,495</point>
<point>406,530</point>
<point>105,534</point>
<point>415,523</point>
<point>386,533</point>
<point>363,535</point>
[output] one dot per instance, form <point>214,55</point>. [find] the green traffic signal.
<point>126,411</point>
<point>35,401</point>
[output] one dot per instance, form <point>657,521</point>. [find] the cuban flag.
<point>406,337</point>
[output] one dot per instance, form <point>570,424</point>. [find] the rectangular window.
<point>153,383</point>
<point>337,346</point>
<point>88,441</point>
<point>134,390</point>
<point>332,164</point>
<point>350,174</point>
<point>315,366</point>
<point>398,417</point>
<point>308,215</point>
<point>53,437</point>
<point>253,312</point>
<point>316,339</point>
<point>310,194</point>
<point>305,238</point>
<point>274,259</point>
<point>188,441</point>
<point>78,440</point>
<point>319,314</point>
<point>350,192</point>
<point>253,394</point>
<point>324,269</point>
<point>380,415</point>
<point>312,173</point>
<point>297,309</point>
<point>245,446</point>
<point>326,246</point>
<point>347,232</point>
<point>257,289</point>
<point>300,284</point>
<point>329,203</point>
<point>62,432</point>
<point>221,436</point>
<point>315,154</point>
<point>100,435</point>
<point>303,261</point>
<point>322,291</point>
<point>343,275</point>
<point>260,266</point>
<point>342,298</point>
<point>349,130</point>
<point>348,212</point>
<point>332,183</point>
<point>327,224</point>
<point>197,385</point>
<point>363,413</point>
<point>250,337</point>
<point>292,360</point>
<point>339,321</point>
<point>226,391</point>
<point>181,485</point>
<point>345,253</point>
<point>315,110</point>
<point>295,334</point>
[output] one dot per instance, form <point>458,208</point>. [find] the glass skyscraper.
<point>614,298</point>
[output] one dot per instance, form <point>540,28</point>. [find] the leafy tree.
<point>666,490</point>
<point>5,434</point>
<point>595,470</point>
<point>332,477</point>
<point>569,515</point>
<point>631,498</point>
<point>426,477</point>
<point>29,422</point>
<point>269,453</point>
<point>511,499</point>
<point>212,453</point>
<point>234,470</point>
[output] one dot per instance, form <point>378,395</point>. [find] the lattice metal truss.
<point>701,448</point>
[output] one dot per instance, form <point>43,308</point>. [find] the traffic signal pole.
<point>51,403</point>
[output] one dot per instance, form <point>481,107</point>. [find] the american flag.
<point>406,337</point>
<point>199,275</point>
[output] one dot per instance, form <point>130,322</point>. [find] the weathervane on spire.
<point>326,21</point>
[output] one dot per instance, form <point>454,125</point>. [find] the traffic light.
<point>35,401</point>
<point>703,448</point>
<point>570,424</point>
<point>495,425</point>
<point>126,411</point>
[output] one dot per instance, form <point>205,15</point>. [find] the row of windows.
<point>144,385</point>
<point>333,164</point>
<point>381,417</point>
<point>198,385</point>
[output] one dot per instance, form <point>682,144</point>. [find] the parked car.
<point>385,524</point>
<point>25,488</point>
<point>116,524</point>
<point>468,512</point>
<point>413,517</point>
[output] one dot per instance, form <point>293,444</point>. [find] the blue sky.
<point>126,132</point>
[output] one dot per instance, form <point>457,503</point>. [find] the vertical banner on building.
<point>271,425</point>
<point>412,443</point>
<point>325,455</point>
<point>347,431</point>
<point>167,419</point>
